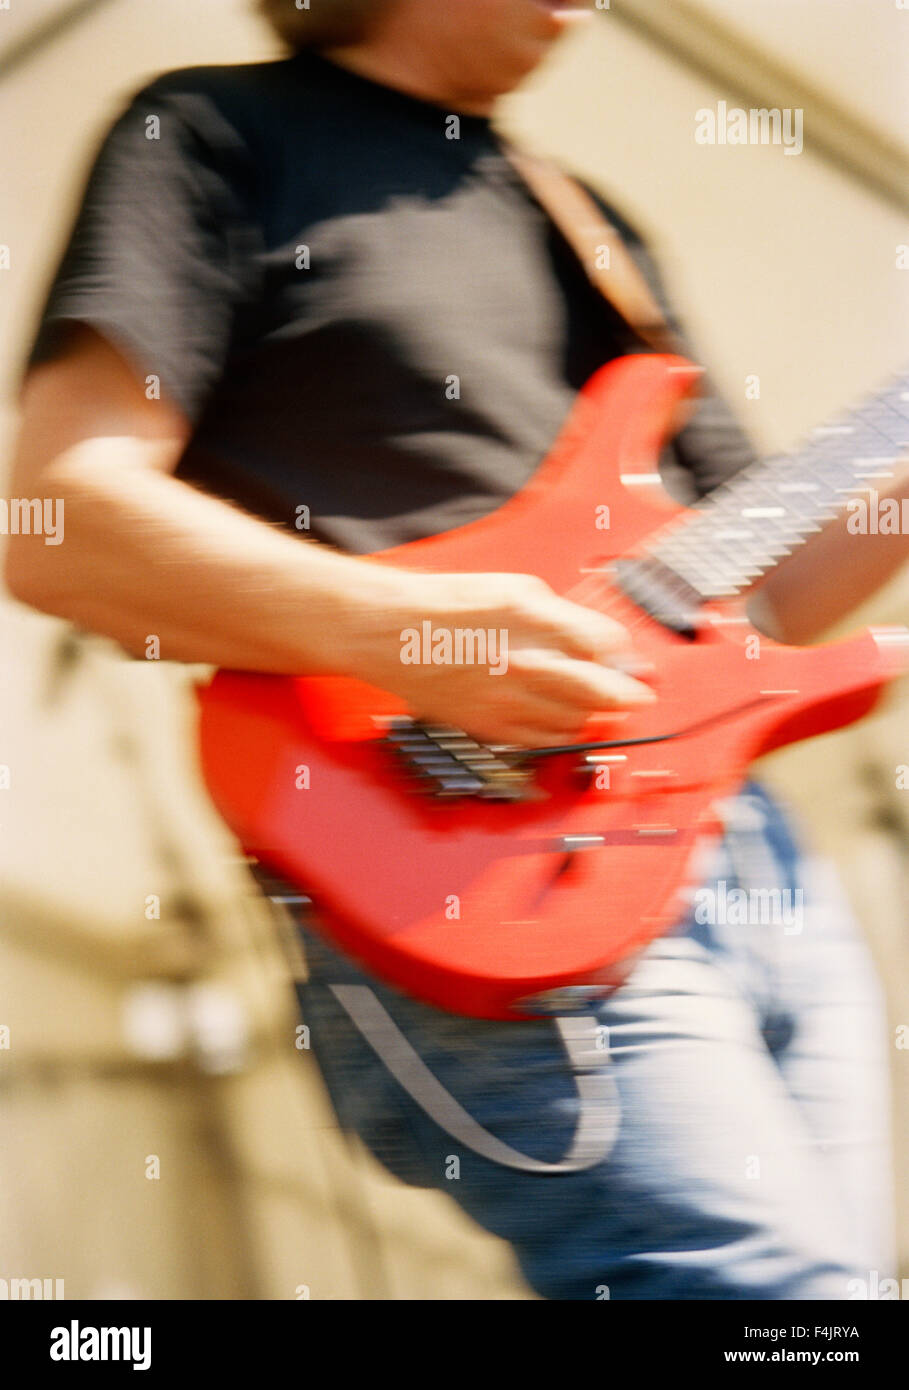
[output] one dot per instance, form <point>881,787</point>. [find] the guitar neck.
<point>748,525</point>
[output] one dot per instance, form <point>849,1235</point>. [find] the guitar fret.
<point>749,523</point>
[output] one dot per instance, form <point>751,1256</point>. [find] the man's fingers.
<point>579,686</point>
<point>582,632</point>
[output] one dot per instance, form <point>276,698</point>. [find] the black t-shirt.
<point>352,296</point>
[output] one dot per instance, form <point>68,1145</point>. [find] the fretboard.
<point>746,526</point>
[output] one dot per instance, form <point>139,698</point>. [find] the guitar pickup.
<point>662,594</point>
<point>447,763</point>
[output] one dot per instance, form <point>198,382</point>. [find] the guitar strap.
<point>600,249</point>
<point>583,1040</point>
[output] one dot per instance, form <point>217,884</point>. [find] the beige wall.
<point>784,267</point>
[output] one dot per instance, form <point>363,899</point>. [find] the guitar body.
<point>479,906</point>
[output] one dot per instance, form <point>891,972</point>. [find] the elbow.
<point>27,579</point>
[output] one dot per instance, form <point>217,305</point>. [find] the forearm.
<point>823,581</point>
<point>144,555</point>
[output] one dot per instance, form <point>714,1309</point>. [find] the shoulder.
<point>229,119</point>
<point>248,100</point>
<point>224,83</point>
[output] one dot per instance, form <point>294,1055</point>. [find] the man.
<point>278,272</point>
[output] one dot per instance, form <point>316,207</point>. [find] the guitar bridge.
<point>448,764</point>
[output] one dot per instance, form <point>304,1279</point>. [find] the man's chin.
<point>563,14</point>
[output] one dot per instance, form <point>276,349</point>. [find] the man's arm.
<point>145,554</point>
<point>823,581</point>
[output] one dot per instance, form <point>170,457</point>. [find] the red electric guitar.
<point>504,884</point>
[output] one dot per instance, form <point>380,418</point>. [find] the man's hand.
<point>557,661</point>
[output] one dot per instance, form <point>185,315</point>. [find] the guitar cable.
<point>694,728</point>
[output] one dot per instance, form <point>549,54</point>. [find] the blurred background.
<point>164,1134</point>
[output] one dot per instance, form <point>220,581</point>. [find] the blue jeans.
<point>748,1070</point>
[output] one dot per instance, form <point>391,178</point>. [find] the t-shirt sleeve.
<point>160,259</point>
<point>713,446</point>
